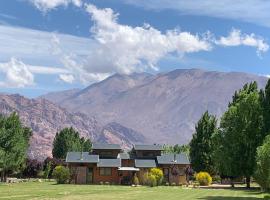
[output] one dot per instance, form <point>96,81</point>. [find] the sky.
<point>54,45</point>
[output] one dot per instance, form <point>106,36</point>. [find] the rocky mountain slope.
<point>163,107</point>
<point>46,118</point>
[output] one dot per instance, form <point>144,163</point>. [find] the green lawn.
<point>49,190</point>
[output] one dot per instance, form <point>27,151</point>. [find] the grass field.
<point>49,190</point>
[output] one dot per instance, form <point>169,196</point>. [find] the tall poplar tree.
<point>240,134</point>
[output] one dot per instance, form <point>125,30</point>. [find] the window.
<point>105,171</point>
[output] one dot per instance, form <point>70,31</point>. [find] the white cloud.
<point>126,49</point>
<point>68,78</point>
<point>236,38</point>
<point>46,70</point>
<point>46,5</point>
<point>254,11</point>
<point>17,74</point>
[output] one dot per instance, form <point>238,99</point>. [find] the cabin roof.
<point>109,162</point>
<point>81,157</point>
<point>173,159</point>
<point>144,163</point>
<point>147,147</point>
<point>106,146</point>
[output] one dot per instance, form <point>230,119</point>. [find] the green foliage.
<point>240,134</point>
<point>152,181</point>
<point>204,178</point>
<point>69,140</point>
<point>61,174</point>
<point>201,147</point>
<point>158,174</point>
<point>176,149</point>
<point>47,170</point>
<point>14,142</point>
<point>136,180</point>
<point>262,174</point>
<point>265,103</point>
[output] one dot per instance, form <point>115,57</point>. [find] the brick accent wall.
<point>113,179</point>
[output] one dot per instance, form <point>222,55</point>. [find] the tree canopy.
<point>201,147</point>
<point>68,139</point>
<point>14,142</point>
<point>240,134</point>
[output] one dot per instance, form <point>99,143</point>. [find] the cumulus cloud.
<point>236,38</point>
<point>46,5</point>
<point>17,74</point>
<point>126,49</point>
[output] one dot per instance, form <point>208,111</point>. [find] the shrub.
<point>152,181</point>
<point>145,179</point>
<point>262,174</point>
<point>167,184</point>
<point>204,178</point>
<point>61,174</point>
<point>136,180</point>
<point>158,174</point>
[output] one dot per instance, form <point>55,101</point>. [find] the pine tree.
<point>67,140</point>
<point>201,144</point>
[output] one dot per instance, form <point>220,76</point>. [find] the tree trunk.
<point>248,181</point>
<point>3,176</point>
<point>232,182</point>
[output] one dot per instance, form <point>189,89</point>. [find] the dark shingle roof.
<point>143,163</point>
<point>124,156</point>
<point>106,146</point>
<point>81,157</point>
<point>169,159</point>
<point>145,147</point>
<point>109,162</point>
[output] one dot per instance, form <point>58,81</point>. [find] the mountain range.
<point>128,109</point>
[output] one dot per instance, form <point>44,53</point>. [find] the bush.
<point>152,181</point>
<point>144,180</point>
<point>61,174</point>
<point>262,174</point>
<point>158,174</point>
<point>136,180</point>
<point>204,178</point>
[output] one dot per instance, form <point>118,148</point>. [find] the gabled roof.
<point>146,147</point>
<point>123,156</point>
<point>106,146</point>
<point>81,157</point>
<point>173,159</point>
<point>109,162</point>
<point>143,163</point>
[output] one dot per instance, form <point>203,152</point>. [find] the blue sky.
<point>51,45</point>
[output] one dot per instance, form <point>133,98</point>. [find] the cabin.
<point>108,163</point>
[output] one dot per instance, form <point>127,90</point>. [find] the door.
<point>89,177</point>
<point>81,175</point>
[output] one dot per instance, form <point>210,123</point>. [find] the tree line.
<point>232,147</point>
<point>14,144</point>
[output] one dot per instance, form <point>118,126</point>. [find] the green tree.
<point>69,140</point>
<point>240,134</point>
<point>265,103</point>
<point>176,149</point>
<point>201,147</point>
<point>14,142</point>
<point>262,174</point>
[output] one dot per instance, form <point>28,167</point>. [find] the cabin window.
<point>105,171</point>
